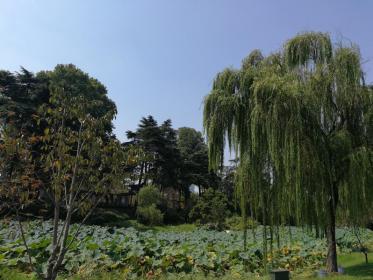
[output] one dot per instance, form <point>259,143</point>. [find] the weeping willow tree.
<point>301,122</point>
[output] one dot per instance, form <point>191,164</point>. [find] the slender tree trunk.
<point>253,226</point>
<point>55,249</point>
<point>265,255</point>
<point>186,196</point>
<point>244,228</point>
<point>363,249</point>
<point>271,242</point>
<point>24,241</point>
<point>331,262</point>
<point>271,232</point>
<point>317,231</point>
<point>290,234</point>
<point>179,199</point>
<point>278,237</point>
<point>56,220</point>
<point>317,227</point>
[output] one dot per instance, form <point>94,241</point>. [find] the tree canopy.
<point>159,162</point>
<point>25,97</point>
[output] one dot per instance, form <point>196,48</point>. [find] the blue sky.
<point>159,57</point>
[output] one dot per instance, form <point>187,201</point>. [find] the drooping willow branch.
<point>300,121</point>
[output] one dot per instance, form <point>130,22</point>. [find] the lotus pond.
<point>151,253</point>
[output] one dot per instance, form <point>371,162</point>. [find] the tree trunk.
<point>253,226</point>
<point>55,249</point>
<point>141,174</point>
<point>278,236</point>
<point>290,234</point>
<point>317,232</point>
<point>271,239</point>
<point>186,196</point>
<point>244,228</point>
<point>265,255</point>
<point>52,277</point>
<point>331,262</point>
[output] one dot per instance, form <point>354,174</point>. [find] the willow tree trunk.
<point>244,230</point>
<point>265,255</point>
<point>331,262</point>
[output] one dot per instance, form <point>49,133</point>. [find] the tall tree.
<point>77,150</point>
<point>194,160</point>
<point>160,156</point>
<point>300,121</point>
<point>148,137</point>
<point>82,162</point>
<point>169,168</point>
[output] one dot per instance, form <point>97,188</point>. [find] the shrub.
<point>149,215</point>
<point>148,195</point>
<point>148,198</point>
<point>211,208</point>
<point>236,223</point>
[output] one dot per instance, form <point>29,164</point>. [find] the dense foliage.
<point>211,208</point>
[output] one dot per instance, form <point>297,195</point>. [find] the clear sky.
<point>159,57</point>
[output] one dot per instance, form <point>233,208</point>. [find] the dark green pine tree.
<point>169,160</point>
<point>160,159</point>
<point>149,139</point>
<point>21,94</point>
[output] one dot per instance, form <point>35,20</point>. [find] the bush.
<point>148,198</point>
<point>108,217</point>
<point>148,195</point>
<point>211,208</point>
<point>149,215</point>
<point>236,223</point>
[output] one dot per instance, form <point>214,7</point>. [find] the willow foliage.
<point>300,121</point>
<point>309,47</point>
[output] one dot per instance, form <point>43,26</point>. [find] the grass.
<point>12,274</point>
<point>354,265</point>
<point>176,228</point>
<point>117,218</point>
<point>162,228</point>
